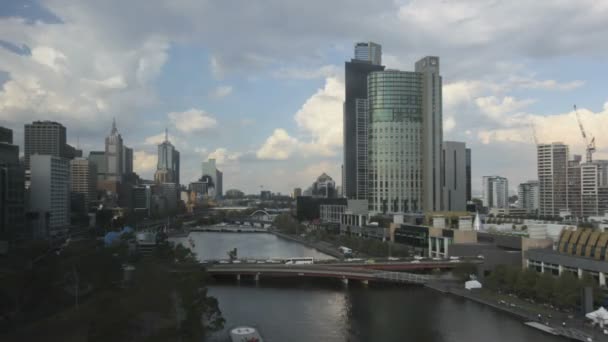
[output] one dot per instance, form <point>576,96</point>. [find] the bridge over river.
<point>255,271</point>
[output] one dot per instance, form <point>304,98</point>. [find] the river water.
<point>325,310</point>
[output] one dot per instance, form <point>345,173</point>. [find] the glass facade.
<point>395,141</point>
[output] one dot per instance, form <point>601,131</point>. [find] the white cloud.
<point>220,91</point>
<point>222,156</point>
<point>192,120</point>
<point>496,108</point>
<point>308,74</point>
<point>278,146</point>
<point>144,163</point>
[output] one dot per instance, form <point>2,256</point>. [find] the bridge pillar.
<point>256,277</point>
<point>365,282</point>
<point>344,281</point>
<point>238,277</point>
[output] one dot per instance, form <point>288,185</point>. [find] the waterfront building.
<point>213,177</point>
<point>553,178</point>
<point>44,137</point>
<point>405,139</point>
<point>83,175</point>
<point>309,208</point>
<point>454,177</point>
<point>12,188</point>
<point>495,192</point>
<point>355,172</point>
<point>528,196</point>
<point>50,191</point>
<point>113,155</point>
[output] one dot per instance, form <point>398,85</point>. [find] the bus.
<point>300,261</point>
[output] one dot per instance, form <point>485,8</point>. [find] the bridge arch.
<point>262,211</point>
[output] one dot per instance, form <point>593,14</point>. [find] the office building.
<point>468,172</point>
<point>265,195</point>
<point>528,196</point>
<point>50,191</point>
<point>44,137</point>
<point>12,189</point>
<point>553,178</point>
<point>169,193</point>
<point>405,139</point>
<point>356,117</point>
<point>99,159</point>
<point>213,178</point>
<point>113,155</point>
<point>495,192</point>
<point>140,199</point>
<point>454,177</point>
<point>369,52</point>
<point>167,168</point>
<point>127,160</point>
<point>594,188</point>
<point>324,187</point>
<point>71,152</point>
<point>6,135</point>
<point>83,175</point>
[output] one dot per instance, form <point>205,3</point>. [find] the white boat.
<point>245,334</point>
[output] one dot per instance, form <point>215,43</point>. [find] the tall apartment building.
<point>12,188</point>
<point>44,137</point>
<point>405,139</point>
<point>528,196</point>
<point>368,57</point>
<point>454,176</point>
<point>83,175</point>
<point>50,190</point>
<point>594,188</point>
<point>113,155</point>
<point>495,192</point>
<point>553,178</point>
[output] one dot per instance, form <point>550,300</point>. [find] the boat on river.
<point>245,334</point>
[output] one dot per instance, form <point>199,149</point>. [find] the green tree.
<point>543,288</point>
<point>526,283</point>
<point>464,270</point>
<point>566,290</point>
<point>511,276</point>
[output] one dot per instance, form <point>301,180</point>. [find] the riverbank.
<point>575,328</point>
<point>324,247</point>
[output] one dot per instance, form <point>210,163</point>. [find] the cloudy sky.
<point>259,84</point>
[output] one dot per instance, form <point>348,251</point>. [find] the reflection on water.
<point>325,311</point>
<point>210,245</point>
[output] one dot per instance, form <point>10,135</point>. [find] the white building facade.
<point>50,190</point>
<point>495,192</point>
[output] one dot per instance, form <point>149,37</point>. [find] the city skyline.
<point>271,113</point>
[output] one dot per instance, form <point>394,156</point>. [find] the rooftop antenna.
<point>166,134</point>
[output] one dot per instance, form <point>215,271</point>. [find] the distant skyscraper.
<point>83,175</point>
<point>355,182</point>
<point>44,137</point>
<point>50,190</point>
<point>368,51</point>
<point>324,187</point>
<point>99,159</point>
<point>297,192</point>
<point>12,188</point>
<point>213,177</point>
<point>553,178</point>
<point>527,196</point>
<point>127,160</point>
<point>454,178</point>
<point>167,168</point>
<point>495,192</point>
<point>6,135</point>
<point>113,153</point>
<point>469,195</point>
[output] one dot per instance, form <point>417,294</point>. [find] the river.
<point>313,310</point>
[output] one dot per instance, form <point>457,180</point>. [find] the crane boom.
<point>590,146</point>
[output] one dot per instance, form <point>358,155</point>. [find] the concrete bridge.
<point>256,271</point>
<point>262,218</point>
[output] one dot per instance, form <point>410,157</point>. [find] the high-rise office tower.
<point>432,131</point>
<point>83,175</point>
<point>553,178</point>
<point>44,137</point>
<point>167,167</point>
<point>355,171</point>
<point>50,190</point>
<point>527,194</point>
<point>213,178</point>
<point>127,160</point>
<point>99,159</point>
<point>12,188</point>
<point>368,51</point>
<point>6,135</point>
<point>454,177</point>
<point>405,139</point>
<point>468,171</point>
<point>113,154</point>
<point>495,192</point>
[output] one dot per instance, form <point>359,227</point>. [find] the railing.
<point>403,277</point>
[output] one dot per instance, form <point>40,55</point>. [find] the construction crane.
<point>590,145</point>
